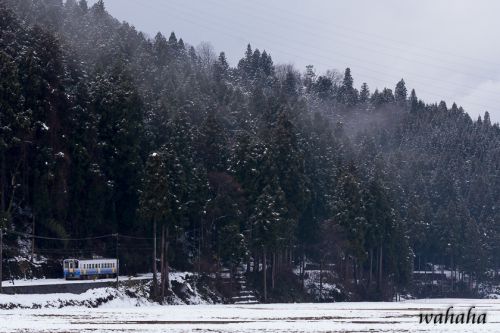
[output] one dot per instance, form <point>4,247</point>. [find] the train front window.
<point>66,266</point>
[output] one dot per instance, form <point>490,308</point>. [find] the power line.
<point>313,32</point>
<point>58,238</point>
<point>275,50</point>
<point>76,239</point>
<point>135,237</point>
<point>386,75</point>
<point>204,16</point>
<point>372,35</point>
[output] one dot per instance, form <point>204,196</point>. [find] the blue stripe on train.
<point>78,272</point>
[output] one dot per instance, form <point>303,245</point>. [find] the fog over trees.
<point>105,130</point>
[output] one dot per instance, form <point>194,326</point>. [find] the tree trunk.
<point>248,264</point>
<point>355,270</point>
<point>167,268</point>
<point>302,270</point>
<point>273,270</point>
<point>162,264</point>
<point>321,279</point>
<point>3,186</point>
<point>1,256</point>
<point>264,268</point>
<point>452,275</point>
<point>155,268</point>
<point>432,275</point>
<point>33,240</point>
<point>371,268</point>
<point>278,259</point>
<point>380,267</point>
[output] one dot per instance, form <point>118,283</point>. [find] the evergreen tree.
<point>155,200</point>
<point>118,105</point>
<point>348,95</point>
<point>213,146</point>
<point>267,220</point>
<point>400,93</point>
<point>413,101</point>
<point>364,94</point>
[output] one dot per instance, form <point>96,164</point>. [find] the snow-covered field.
<point>327,317</point>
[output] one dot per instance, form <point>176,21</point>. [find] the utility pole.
<point>117,263</point>
<point>33,241</point>
<point>1,257</point>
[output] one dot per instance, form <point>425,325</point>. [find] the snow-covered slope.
<point>186,290</point>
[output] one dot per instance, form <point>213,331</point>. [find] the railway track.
<point>72,287</point>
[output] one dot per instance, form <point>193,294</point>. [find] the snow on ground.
<point>324,317</point>
<point>137,294</point>
<point>189,293</point>
<point>92,298</point>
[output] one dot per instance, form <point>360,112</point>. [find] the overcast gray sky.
<point>445,49</point>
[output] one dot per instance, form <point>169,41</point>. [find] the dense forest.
<point>106,130</point>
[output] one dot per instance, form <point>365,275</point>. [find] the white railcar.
<point>83,269</point>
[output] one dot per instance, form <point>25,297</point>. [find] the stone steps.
<point>244,295</point>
